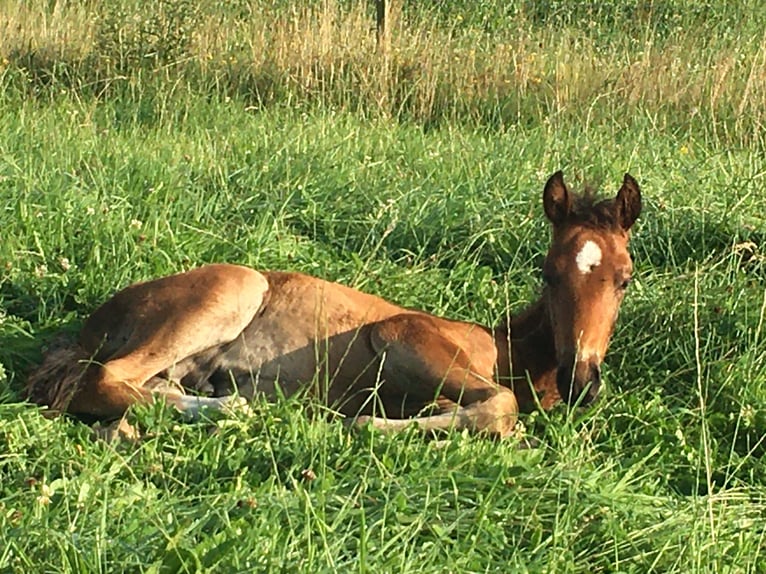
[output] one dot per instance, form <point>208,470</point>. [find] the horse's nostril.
<point>595,377</point>
<point>595,383</point>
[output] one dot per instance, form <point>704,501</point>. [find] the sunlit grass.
<point>694,69</point>
<point>433,204</point>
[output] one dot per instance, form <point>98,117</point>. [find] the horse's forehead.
<point>590,248</point>
<point>588,256</point>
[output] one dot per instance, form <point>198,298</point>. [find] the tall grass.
<point>687,66</point>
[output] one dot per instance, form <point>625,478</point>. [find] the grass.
<point>693,68</point>
<point>114,174</point>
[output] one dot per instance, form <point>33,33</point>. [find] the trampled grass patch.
<point>663,474</point>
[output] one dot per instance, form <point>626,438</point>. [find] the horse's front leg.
<point>417,351</point>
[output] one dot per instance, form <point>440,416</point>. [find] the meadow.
<point>143,138</point>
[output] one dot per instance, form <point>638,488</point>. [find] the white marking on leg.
<point>588,257</point>
<point>192,407</point>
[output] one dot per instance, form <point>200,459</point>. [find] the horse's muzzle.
<point>579,382</point>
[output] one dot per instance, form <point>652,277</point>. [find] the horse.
<point>223,331</point>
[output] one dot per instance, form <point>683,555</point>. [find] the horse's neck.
<point>527,352</point>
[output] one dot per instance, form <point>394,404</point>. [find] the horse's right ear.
<point>556,199</point>
<point>628,202</point>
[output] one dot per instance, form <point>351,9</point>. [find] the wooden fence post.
<point>383,23</point>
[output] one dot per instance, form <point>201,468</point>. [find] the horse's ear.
<point>628,202</point>
<point>556,199</point>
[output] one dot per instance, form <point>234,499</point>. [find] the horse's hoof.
<point>118,431</point>
<point>236,405</point>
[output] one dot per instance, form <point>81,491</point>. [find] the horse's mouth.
<point>579,384</point>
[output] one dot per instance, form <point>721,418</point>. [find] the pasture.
<point>143,138</point>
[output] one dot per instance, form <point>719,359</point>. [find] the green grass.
<point>157,175</point>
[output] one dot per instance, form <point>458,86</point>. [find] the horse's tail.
<point>55,381</point>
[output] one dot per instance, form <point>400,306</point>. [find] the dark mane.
<point>592,211</point>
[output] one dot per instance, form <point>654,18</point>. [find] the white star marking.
<point>588,257</point>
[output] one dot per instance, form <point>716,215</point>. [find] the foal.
<point>221,328</point>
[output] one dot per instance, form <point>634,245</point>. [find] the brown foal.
<point>224,328</point>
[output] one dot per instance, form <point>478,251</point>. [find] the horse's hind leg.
<point>416,351</point>
<point>104,392</point>
<point>108,390</point>
<point>159,324</point>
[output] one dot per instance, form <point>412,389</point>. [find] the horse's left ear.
<point>628,202</point>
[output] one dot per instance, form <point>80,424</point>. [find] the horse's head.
<point>586,272</point>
